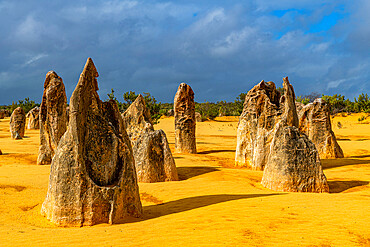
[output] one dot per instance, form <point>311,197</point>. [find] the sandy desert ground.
<point>213,204</point>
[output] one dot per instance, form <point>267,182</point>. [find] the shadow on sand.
<point>333,163</point>
<point>187,172</point>
<point>216,151</point>
<point>340,186</point>
<point>361,156</point>
<point>176,158</point>
<point>186,204</point>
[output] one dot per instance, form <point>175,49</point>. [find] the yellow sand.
<point>212,205</point>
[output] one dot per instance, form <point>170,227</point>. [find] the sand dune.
<point>213,204</point>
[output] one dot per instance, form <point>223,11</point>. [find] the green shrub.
<point>304,101</point>
<point>207,110</point>
<point>26,104</point>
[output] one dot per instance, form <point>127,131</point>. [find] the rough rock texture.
<point>53,117</point>
<point>17,123</point>
<point>314,121</point>
<point>288,100</point>
<point>198,117</point>
<point>136,118</point>
<point>4,113</point>
<point>93,178</point>
<point>184,111</point>
<point>299,106</point>
<point>7,113</point>
<point>153,157</point>
<point>33,118</point>
<point>293,164</point>
<point>260,113</point>
<point>67,113</point>
<point>170,113</point>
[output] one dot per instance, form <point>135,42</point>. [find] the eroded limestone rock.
<point>293,162</point>
<point>288,100</point>
<point>314,121</point>
<point>299,106</point>
<point>53,117</point>
<point>198,117</point>
<point>153,157</point>
<point>170,113</point>
<point>17,123</point>
<point>6,113</point>
<point>260,113</point>
<point>136,118</point>
<point>93,178</point>
<point>184,111</point>
<point>33,118</point>
<point>67,114</point>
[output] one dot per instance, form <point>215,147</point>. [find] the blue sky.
<point>221,48</point>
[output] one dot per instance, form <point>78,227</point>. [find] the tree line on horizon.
<point>210,110</point>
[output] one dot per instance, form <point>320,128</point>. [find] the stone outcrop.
<point>17,123</point>
<point>136,118</point>
<point>93,178</point>
<point>314,121</point>
<point>198,117</point>
<point>170,113</point>
<point>293,162</point>
<point>299,106</point>
<point>53,117</point>
<point>152,154</point>
<point>33,118</point>
<point>184,111</point>
<point>288,101</point>
<point>67,113</point>
<point>153,157</point>
<point>260,113</point>
<point>4,113</point>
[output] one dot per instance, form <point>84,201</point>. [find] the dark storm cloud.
<point>221,48</point>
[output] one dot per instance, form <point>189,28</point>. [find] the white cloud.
<point>204,42</point>
<point>337,83</point>
<point>212,20</point>
<point>29,30</point>
<point>266,5</point>
<point>320,47</point>
<point>34,59</point>
<point>5,6</point>
<point>117,7</point>
<point>233,42</point>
